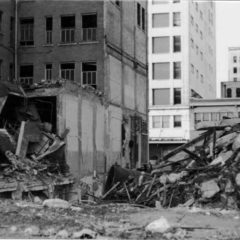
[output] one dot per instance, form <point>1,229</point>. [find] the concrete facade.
<point>107,121</point>
<point>181,65</point>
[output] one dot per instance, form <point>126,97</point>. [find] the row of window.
<point>160,20</point>
<point>210,14</point>
<point>141,16</point>
<point>164,121</point>
<point>161,96</point>
<point>235,70</point>
<point>67,72</point>
<point>164,1</point>
<point>68,29</point>
<point>162,44</point>
<point>211,116</point>
<point>161,70</point>
<point>229,92</point>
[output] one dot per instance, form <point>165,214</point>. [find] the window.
<point>89,74</point>
<point>238,92</point>
<point>235,59</point>
<point>177,96</point>
<point>202,78</point>
<point>49,28</point>
<point>223,114</point>
<point>214,116</point>
<point>48,72</point>
<point>196,28</point>
<point>234,79</point>
<point>11,72</point>
<point>12,23</point>
<point>201,35</point>
<point>192,43</point>
<point>198,117</point>
<point>201,15</point>
<point>176,44</point>
<point>192,69</point>
<point>165,121</point>
<point>156,121</point>
<point>234,70</point>
<point>197,74</point>
<point>161,96</point>
<point>89,27</point>
<point>160,20</point>
<point>141,16</point>
<point>176,1</point>
<point>176,19</point>
<point>0,69</point>
<point>206,117</point>
<point>177,121</point>
<point>26,74</point>
<point>161,71</point>
<point>177,70</point>
<point>197,49</point>
<point>67,71</point>
<point>1,14</point>
<point>26,32</point>
<point>67,29</point>
<point>143,19</point>
<point>117,2</point>
<point>160,45</point>
<point>192,20</point>
<point>201,54</point>
<point>229,93</point>
<point>196,6</point>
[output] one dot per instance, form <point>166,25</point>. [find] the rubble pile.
<point>31,154</point>
<point>202,172</point>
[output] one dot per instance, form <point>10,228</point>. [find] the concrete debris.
<point>32,230</point>
<point>63,234</point>
<point>209,189</point>
<point>56,203</point>
<point>207,174</point>
<point>160,225</point>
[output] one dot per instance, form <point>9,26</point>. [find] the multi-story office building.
<point>101,44</point>
<point>181,65</point>
<point>231,88</point>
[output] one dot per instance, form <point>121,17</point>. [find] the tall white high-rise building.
<point>182,65</point>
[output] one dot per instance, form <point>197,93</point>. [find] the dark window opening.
<point>12,23</point>
<point>177,121</point>
<point>89,25</point>
<point>48,72</point>
<point>234,70</point>
<point>117,2</point>
<point>27,32</point>
<point>143,19</point>
<point>1,20</point>
<point>238,92</point>
<point>177,96</point>
<point>67,71</point>
<point>177,70</point>
<point>26,75</point>
<point>49,28</point>
<point>68,29</point>
<point>176,44</point>
<point>229,93</point>
<point>139,14</point>
<point>11,72</point>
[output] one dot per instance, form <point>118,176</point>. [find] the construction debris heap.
<point>204,171</point>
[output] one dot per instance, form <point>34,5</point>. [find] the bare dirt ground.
<point>114,221</point>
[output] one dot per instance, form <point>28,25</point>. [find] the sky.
<point>227,35</point>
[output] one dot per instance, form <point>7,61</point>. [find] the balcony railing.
<point>26,80</point>
<point>68,35</point>
<point>89,34</point>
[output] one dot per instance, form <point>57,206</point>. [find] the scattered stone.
<point>62,234</point>
<point>84,233</point>
<point>32,230</point>
<point>236,143</point>
<point>56,203</point>
<point>78,209</point>
<point>237,179</point>
<point>209,188</point>
<point>160,225</point>
<point>37,200</point>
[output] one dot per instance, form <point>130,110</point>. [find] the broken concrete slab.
<point>209,188</point>
<point>7,142</point>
